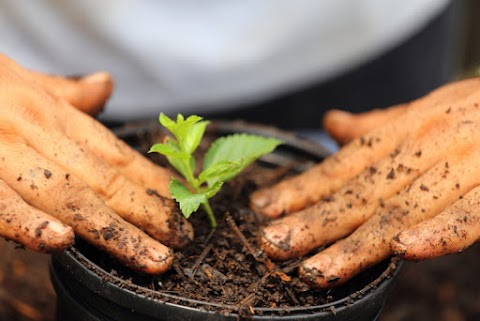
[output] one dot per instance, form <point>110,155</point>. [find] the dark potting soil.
<point>225,266</point>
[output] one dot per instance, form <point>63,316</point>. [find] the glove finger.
<point>344,126</point>
<point>341,213</point>
<point>54,190</point>
<point>311,186</point>
<point>88,93</point>
<point>29,226</point>
<point>370,243</point>
<point>451,231</point>
<point>101,142</point>
<point>157,215</point>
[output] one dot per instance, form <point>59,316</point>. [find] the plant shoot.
<point>225,159</point>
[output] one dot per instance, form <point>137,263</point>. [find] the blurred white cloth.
<point>172,56</point>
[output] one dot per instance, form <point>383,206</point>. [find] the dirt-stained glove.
<point>63,173</point>
<point>406,184</point>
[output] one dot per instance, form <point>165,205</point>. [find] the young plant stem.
<point>206,206</point>
<point>211,216</point>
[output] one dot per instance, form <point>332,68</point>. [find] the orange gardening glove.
<point>62,172</point>
<point>406,184</point>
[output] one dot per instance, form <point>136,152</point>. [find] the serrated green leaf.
<point>168,123</point>
<point>244,148</point>
<point>213,190</point>
<point>220,171</point>
<point>168,150</point>
<point>188,132</point>
<point>193,135</point>
<point>179,165</point>
<point>181,161</point>
<point>193,119</point>
<point>180,119</point>
<point>188,201</point>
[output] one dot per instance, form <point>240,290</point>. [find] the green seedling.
<point>225,159</point>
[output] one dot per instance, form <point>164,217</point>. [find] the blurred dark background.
<point>447,48</point>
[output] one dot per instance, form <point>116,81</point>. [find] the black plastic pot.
<point>87,292</point>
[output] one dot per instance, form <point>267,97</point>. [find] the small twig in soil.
<point>231,223</point>
<point>292,296</point>
<point>294,265</point>
<point>200,258</point>
<point>179,271</point>
<point>204,253</point>
<point>255,286</point>
<point>247,299</point>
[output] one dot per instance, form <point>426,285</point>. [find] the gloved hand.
<point>62,172</point>
<point>407,184</point>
